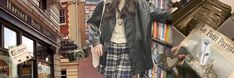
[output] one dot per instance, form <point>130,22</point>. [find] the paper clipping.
<point>19,54</point>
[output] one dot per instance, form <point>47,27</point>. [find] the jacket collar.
<point>108,1</point>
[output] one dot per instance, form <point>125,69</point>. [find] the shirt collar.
<point>108,1</point>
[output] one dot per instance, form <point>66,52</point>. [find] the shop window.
<point>63,73</point>
<point>40,51</point>
<point>1,36</point>
<point>44,70</point>
<point>37,2</point>
<point>43,4</point>
<point>44,61</point>
<point>26,69</point>
<point>43,53</point>
<point>10,39</point>
<point>62,16</point>
<point>4,69</point>
<point>29,44</point>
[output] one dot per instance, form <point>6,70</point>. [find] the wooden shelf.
<point>177,36</point>
<point>227,27</point>
<point>162,43</point>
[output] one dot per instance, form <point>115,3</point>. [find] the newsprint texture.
<point>209,53</point>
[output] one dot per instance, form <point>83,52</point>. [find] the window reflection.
<point>42,54</point>
<point>29,44</point>
<point>48,57</point>
<point>9,38</point>
<point>40,51</point>
<point>44,61</point>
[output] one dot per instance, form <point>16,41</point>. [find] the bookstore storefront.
<point>42,55</point>
<point>16,28</point>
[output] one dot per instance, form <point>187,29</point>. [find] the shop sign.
<point>19,54</point>
<point>67,45</point>
<point>8,5</point>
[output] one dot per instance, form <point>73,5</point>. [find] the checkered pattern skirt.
<point>117,62</point>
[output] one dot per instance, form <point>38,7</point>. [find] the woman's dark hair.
<point>128,9</point>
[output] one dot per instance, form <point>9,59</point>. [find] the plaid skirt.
<point>117,62</point>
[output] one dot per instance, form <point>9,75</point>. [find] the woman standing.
<point>125,42</point>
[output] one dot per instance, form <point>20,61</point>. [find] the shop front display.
<point>27,69</point>
<point>44,70</point>
<point>4,69</point>
<point>17,27</point>
<point>7,69</point>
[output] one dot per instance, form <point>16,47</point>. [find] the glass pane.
<point>40,51</point>
<point>63,73</point>
<point>48,57</point>
<point>29,44</point>
<point>4,67</point>
<point>9,38</point>
<point>27,69</point>
<point>44,70</point>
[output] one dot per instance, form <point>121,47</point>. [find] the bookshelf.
<point>161,42</point>
<point>177,36</point>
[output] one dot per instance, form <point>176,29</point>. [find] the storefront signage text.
<point>67,46</point>
<point>16,11</point>
<point>8,5</point>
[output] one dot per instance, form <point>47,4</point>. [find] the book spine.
<point>158,72</point>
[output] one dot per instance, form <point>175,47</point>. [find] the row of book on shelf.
<point>162,4</point>
<point>159,68</point>
<point>162,33</point>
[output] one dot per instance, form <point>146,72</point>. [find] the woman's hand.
<point>97,49</point>
<point>179,56</point>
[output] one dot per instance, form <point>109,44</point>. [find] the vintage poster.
<point>209,53</point>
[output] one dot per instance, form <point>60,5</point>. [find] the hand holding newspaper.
<point>95,58</point>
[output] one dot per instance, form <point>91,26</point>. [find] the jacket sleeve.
<point>94,21</point>
<point>160,15</point>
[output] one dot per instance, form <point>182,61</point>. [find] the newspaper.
<point>95,58</point>
<point>210,53</point>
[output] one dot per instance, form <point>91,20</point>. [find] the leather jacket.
<point>137,31</point>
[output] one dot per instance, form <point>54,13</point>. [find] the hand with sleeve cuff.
<point>97,49</point>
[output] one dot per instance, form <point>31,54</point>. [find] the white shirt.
<point>118,35</point>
